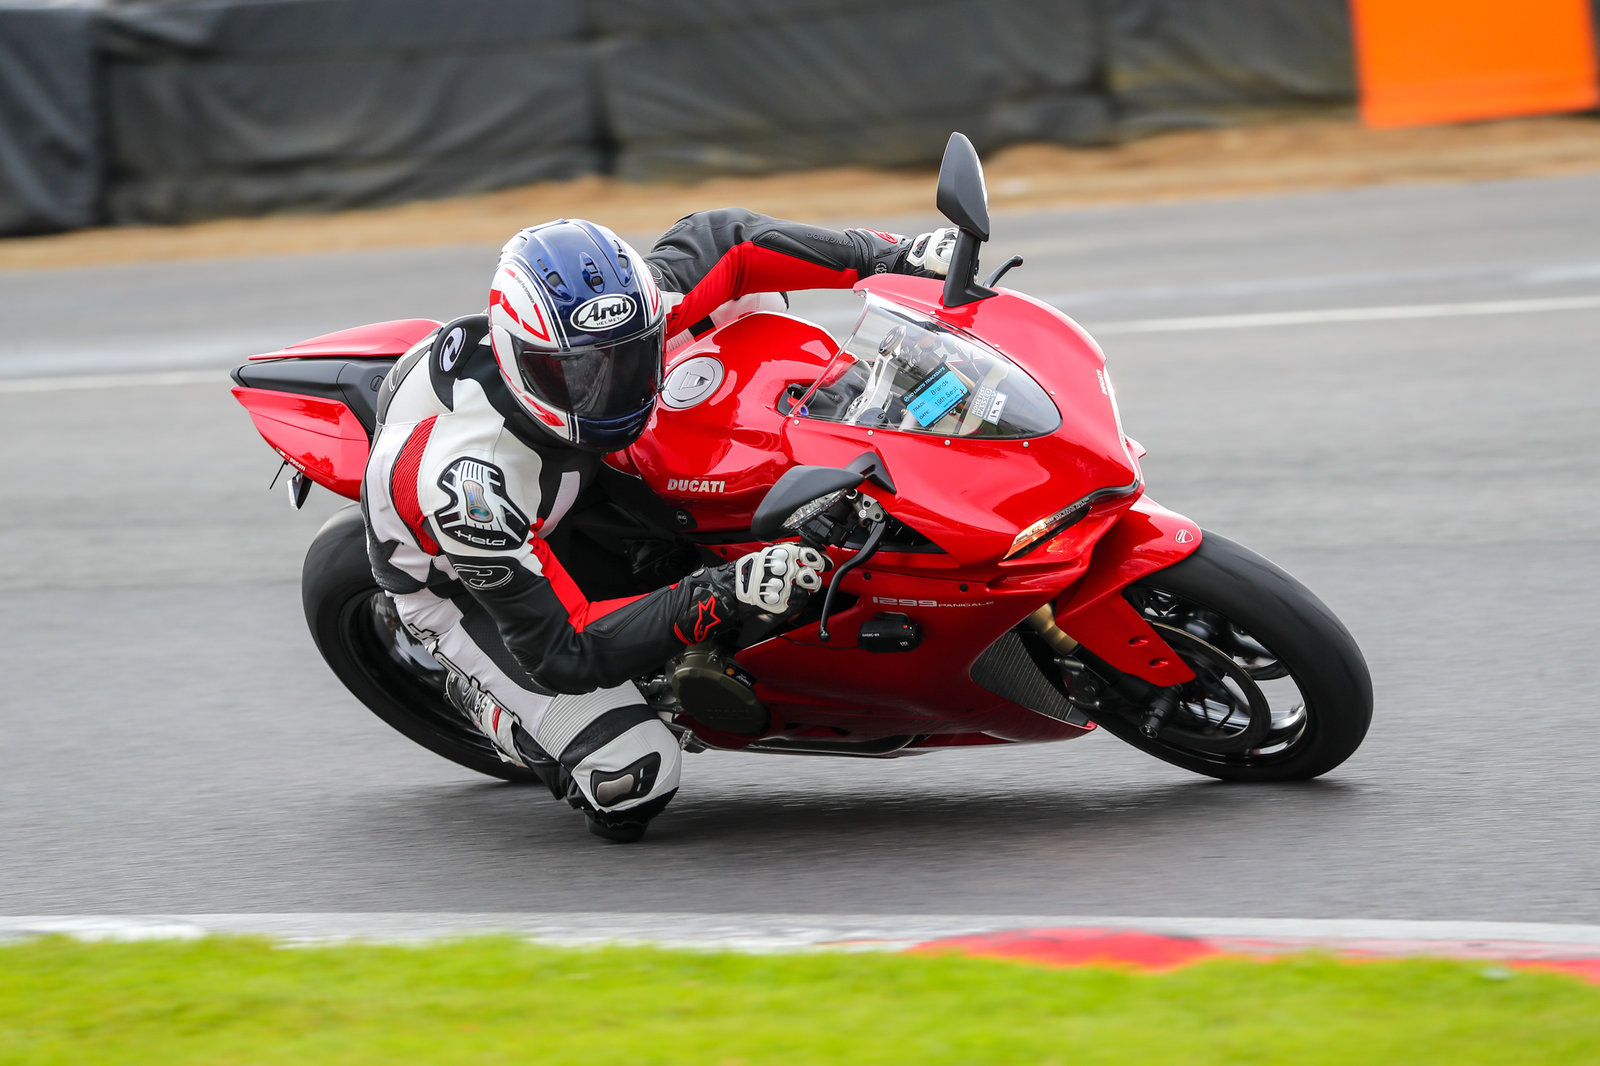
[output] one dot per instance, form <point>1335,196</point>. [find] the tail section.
<point>316,402</point>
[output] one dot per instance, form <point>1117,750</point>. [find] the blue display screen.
<point>933,398</point>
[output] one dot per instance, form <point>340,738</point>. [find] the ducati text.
<point>685,484</point>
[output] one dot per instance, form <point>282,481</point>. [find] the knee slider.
<point>626,758</point>
<point>611,787</point>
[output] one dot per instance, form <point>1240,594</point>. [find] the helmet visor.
<point>598,383</point>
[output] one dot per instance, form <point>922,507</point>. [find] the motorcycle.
<point>998,574</point>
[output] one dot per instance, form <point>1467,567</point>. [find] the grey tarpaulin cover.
<point>50,159</point>
<point>222,107</point>
<point>174,110</point>
<point>1177,62</point>
<point>696,87</point>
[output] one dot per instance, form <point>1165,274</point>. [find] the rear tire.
<point>355,628</point>
<point>1268,634</point>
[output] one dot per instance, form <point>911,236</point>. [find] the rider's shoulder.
<point>471,431</point>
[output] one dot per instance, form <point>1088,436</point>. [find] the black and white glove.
<point>708,605</point>
<point>772,581</point>
<point>778,578</point>
<point>930,252</point>
<point>925,255</point>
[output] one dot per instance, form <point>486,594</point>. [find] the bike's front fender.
<point>1145,538</point>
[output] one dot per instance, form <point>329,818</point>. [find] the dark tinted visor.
<point>595,383</point>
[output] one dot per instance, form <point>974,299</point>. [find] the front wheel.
<point>359,634</point>
<point>1281,691</point>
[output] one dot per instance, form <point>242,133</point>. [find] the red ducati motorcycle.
<point>998,574</point>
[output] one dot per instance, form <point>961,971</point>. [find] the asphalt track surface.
<point>170,741</point>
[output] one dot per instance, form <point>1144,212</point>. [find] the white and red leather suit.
<point>463,490</point>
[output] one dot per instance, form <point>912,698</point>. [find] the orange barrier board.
<point>1431,61</point>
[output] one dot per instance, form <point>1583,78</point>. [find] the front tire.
<point>1282,692</point>
<point>358,633</point>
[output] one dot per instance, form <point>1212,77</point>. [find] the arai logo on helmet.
<point>603,312</point>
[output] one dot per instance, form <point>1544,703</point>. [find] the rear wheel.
<point>356,629</point>
<point>1281,691</point>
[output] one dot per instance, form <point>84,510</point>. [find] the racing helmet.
<point>577,326</point>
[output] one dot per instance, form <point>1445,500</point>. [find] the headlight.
<point>1050,525</point>
<point>810,510</point>
<point>1046,526</point>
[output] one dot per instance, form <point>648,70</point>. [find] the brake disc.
<point>1222,711</point>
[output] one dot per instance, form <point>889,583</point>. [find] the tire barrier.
<point>241,107</point>
<point>804,84</point>
<point>1188,62</point>
<point>51,165</point>
<point>166,111</point>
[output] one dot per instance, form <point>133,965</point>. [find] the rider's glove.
<point>930,252</point>
<point>925,255</point>
<point>778,577</point>
<point>772,581</point>
<point>709,608</point>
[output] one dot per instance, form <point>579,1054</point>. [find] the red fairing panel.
<point>925,690</point>
<point>321,438</point>
<point>1146,537</point>
<point>363,342</point>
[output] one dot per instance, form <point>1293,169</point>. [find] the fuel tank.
<point>715,443</point>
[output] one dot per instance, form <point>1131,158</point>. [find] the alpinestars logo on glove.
<point>479,512</point>
<point>705,621</point>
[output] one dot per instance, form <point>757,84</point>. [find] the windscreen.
<point>903,371</point>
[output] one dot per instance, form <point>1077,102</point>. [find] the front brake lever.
<point>1002,269</point>
<point>870,546</point>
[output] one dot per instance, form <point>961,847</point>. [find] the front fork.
<point>1091,672</point>
<point>1115,646</point>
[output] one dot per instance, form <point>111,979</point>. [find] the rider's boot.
<point>617,764</point>
<point>626,827</point>
<point>492,720</point>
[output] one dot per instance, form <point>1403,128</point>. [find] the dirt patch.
<point>1273,157</point>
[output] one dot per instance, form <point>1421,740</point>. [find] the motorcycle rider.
<point>489,431</point>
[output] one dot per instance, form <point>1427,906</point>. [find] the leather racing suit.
<point>545,673</point>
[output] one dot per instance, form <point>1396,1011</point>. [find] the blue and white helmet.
<point>577,326</point>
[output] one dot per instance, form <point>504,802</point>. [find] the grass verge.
<point>225,1000</point>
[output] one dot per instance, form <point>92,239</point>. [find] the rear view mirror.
<point>964,200</point>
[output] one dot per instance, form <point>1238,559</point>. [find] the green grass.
<point>497,1001</point>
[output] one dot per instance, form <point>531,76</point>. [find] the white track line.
<point>1387,313</point>
<point>114,381</point>
<point>771,932</point>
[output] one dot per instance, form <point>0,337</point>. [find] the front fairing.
<point>973,495</point>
